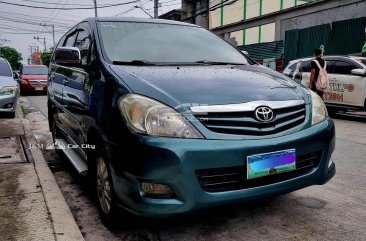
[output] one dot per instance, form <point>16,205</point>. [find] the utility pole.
<point>44,42</point>
<point>95,8</point>
<point>53,31</point>
<point>156,8</point>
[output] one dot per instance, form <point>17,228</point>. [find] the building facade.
<point>229,11</point>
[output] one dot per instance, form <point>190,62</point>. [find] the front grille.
<point>245,123</point>
<point>235,178</point>
<point>37,83</point>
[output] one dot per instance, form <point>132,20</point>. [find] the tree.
<point>46,58</point>
<point>12,55</point>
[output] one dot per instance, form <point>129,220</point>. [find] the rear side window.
<point>5,69</point>
<point>306,66</point>
<point>301,66</point>
<point>344,68</point>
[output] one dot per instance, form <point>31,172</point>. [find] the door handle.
<point>65,82</point>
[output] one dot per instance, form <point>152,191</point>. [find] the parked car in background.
<point>33,79</point>
<point>9,90</point>
<point>168,118</point>
<point>347,80</point>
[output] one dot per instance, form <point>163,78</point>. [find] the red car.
<point>33,78</point>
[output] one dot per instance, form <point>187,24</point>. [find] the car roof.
<point>139,20</point>
<point>326,57</point>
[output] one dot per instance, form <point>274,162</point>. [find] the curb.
<point>63,222</point>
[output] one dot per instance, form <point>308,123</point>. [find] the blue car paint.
<point>174,161</point>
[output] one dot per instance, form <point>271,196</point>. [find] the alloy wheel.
<point>103,185</point>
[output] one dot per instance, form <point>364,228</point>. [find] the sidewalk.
<point>31,204</point>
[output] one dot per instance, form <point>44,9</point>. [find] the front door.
<point>345,88</point>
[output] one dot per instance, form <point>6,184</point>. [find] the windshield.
<point>5,69</point>
<point>165,43</point>
<point>41,70</point>
<point>361,60</point>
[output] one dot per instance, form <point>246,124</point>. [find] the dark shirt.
<point>315,66</point>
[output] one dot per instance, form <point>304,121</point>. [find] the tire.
<point>332,112</point>
<point>104,192</point>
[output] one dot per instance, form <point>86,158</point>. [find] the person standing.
<point>315,72</point>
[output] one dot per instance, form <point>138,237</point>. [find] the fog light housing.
<point>156,190</point>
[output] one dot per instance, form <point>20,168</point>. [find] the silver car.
<point>8,90</point>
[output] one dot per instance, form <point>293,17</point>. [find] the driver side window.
<point>83,43</point>
<point>343,68</point>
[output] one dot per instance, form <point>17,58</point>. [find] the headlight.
<point>146,116</point>
<point>318,109</point>
<point>8,90</point>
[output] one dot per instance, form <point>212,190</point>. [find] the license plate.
<point>38,88</point>
<point>271,163</point>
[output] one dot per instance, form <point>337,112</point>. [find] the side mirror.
<point>67,56</point>
<point>16,76</point>
<point>360,72</point>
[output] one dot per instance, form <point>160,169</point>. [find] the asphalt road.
<point>335,211</point>
<point>40,102</point>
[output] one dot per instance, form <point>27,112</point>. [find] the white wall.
<point>235,12</point>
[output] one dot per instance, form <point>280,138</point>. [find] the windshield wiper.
<point>208,62</point>
<point>135,63</point>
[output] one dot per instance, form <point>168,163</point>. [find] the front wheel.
<point>104,191</point>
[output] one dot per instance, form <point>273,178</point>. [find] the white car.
<point>8,90</point>
<point>347,80</point>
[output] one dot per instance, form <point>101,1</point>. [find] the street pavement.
<point>335,211</point>
<point>31,204</point>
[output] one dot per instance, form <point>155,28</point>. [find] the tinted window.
<point>41,70</point>
<point>363,61</point>
<point>343,67</point>
<point>330,65</point>
<point>165,43</point>
<point>83,44</point>
<point>5,69</point>
<point>292,66</point>
<point>306,66</point>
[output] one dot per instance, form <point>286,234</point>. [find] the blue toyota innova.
<point>168,118</point>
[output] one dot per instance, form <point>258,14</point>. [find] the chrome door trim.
<point>248,106</point>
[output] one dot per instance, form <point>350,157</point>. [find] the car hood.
<point>34,77</point>
<point>7,81</point>
<point>209,85</point>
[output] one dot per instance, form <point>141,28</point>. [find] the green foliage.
<point>12,55</point>
<point>46,58</point>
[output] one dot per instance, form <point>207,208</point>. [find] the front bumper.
<point>28,88</point>
<point>8,103</point>
<point>174,162</point>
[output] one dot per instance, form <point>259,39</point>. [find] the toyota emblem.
<point>264,114</point>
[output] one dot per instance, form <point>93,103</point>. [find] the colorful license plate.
<point>271,163</point>
<point>38,88</point>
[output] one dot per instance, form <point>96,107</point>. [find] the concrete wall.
<point>355,10</point>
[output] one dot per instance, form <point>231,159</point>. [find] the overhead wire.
<point>74,8</point>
